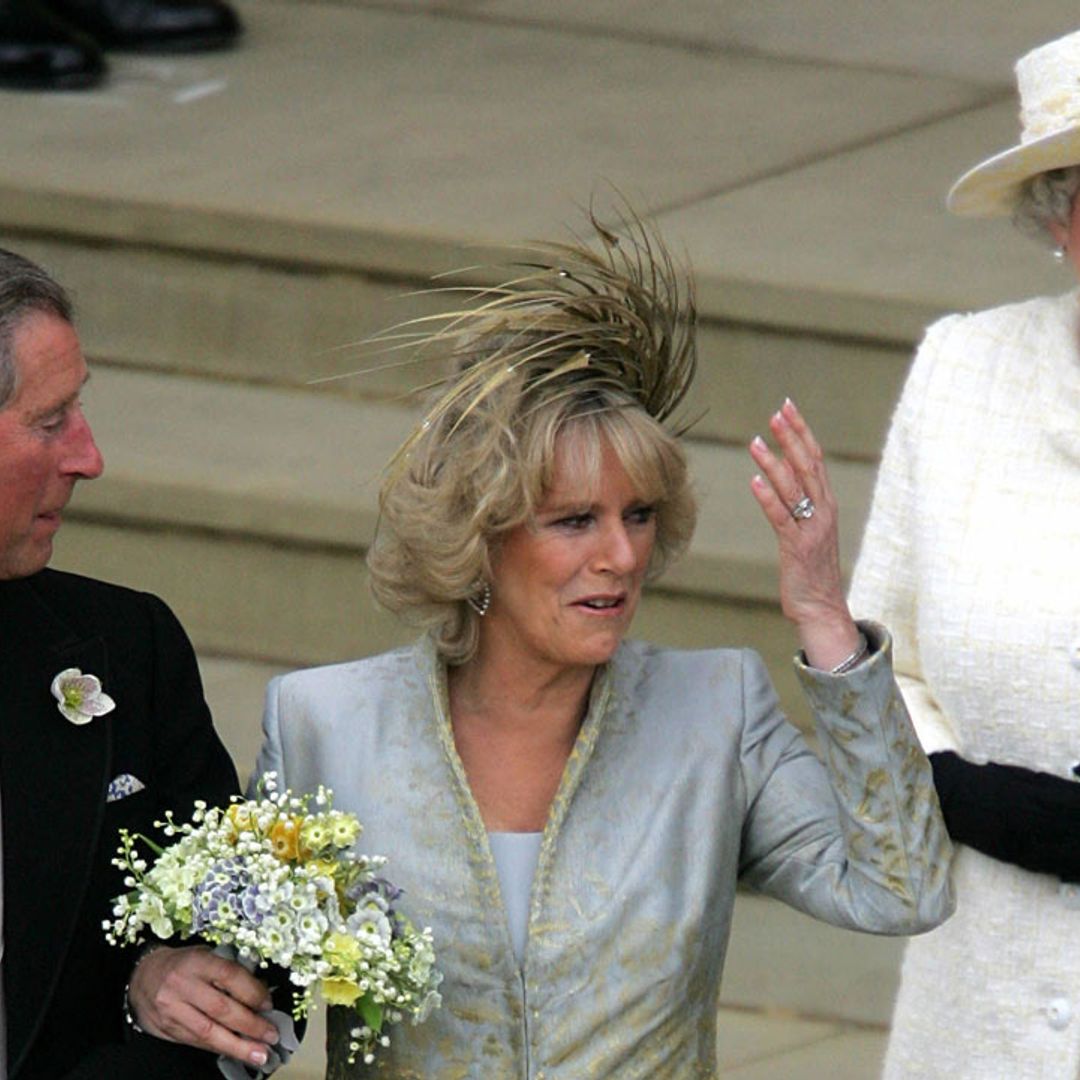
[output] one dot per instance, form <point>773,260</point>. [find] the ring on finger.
<point>803,510</point>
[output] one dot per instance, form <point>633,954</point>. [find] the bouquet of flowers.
<point>281,883</point>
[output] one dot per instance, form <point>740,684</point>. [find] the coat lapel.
<point>53,780</point>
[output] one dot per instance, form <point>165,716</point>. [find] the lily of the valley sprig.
<point>79,697</point>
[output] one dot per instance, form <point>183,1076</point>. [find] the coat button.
<point>1069,895</point>
<point>1058,1013</point>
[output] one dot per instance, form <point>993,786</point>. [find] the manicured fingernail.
<point>779,418</point>
<point>257,1057</point>
<point>759,442</point>
<point>757,480</point>
<point>789,402</point>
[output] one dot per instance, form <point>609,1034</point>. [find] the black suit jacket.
<point>63,984</point>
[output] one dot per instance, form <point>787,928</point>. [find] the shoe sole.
<point>76,81</point>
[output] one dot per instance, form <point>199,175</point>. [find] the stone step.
<point>978,40</point>
<point>210,230</point>
<point>259,247</point>
<point>250,509</point>
<point>412,134</point>
<point>249,321</point>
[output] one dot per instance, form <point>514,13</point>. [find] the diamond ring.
<point>803,510</point>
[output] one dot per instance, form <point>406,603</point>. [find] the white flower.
<point>370,926</point>
<point>79,696</point>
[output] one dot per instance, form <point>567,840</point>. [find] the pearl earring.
<point>481,601</point>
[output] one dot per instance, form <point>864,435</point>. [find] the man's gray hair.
<point>1047,199</point>
<point>24,288</point>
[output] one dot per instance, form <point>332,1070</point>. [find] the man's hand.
<point>191,996</point>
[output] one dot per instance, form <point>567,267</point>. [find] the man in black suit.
<point>75,1007</point>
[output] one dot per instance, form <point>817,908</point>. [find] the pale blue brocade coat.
<point>685,777</point>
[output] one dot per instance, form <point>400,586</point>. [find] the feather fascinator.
<point>618,316</point>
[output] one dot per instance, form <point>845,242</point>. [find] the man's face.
<point>45,442</point>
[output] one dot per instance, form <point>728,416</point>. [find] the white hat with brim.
<point>1048,79</point>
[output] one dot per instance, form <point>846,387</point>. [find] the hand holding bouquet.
<point>282,884</point>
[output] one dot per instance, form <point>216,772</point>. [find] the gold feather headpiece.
<point>617,317</point>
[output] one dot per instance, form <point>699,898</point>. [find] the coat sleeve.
<point>884,583</point>
<point>188,762</point>
<point>145,1056</point>
<point>858,841</point>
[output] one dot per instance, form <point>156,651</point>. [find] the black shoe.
<point>40,52</point>
<point>152,25</point>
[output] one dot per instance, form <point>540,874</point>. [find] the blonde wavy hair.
<point>588,348</point>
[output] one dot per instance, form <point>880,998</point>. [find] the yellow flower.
<point>339,991</point>
<point>240,818</point>
<point>325,868</point>
<point>285,838</point>
<point>345,829</point>
<point>314,836</point>
<point>341,950</point>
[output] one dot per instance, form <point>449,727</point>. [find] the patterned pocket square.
<point>123,786</point>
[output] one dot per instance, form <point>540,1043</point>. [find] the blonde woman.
<point>569,810</point>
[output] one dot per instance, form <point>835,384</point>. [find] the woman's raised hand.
<point>794,492</point>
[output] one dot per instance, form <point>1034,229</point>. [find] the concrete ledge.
<point>413,135</point>
<point>234,244</point>
<point>191,313</point>
<point>236,235</point>
<point>785,959</point>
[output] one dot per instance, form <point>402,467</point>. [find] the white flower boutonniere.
<point>80,697</point>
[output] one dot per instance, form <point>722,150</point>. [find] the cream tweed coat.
<point>972,558</point>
